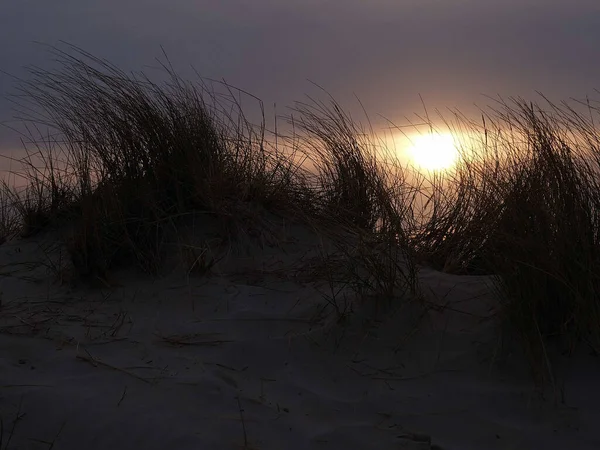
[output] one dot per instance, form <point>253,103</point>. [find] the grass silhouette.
<point>128,161</point>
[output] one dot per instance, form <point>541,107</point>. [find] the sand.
<point>248,358</point>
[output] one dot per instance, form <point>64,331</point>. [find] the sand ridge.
<point>253,360</point>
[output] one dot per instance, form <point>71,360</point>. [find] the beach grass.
<point>127,160</point>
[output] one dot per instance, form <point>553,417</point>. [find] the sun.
<point>433,151</point>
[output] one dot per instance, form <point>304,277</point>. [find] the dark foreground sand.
<point>244,358</point>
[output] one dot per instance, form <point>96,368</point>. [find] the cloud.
<point>387,52</point>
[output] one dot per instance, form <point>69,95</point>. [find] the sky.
<point>387,53</point>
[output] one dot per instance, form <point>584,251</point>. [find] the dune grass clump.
<point>524,209</point>
<point>546,238</point>
<point>360,192</point>
<point>138,157</point>
<point>145,154</point>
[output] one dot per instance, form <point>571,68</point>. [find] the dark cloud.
<point>385,51</point>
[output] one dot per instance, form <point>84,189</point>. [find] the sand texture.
<point>249,358</point>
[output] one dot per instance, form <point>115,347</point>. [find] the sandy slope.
<point>246,360</point>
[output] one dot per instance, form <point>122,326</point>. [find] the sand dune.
<point>243,358</point>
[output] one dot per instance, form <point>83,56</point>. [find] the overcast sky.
<point>387,52</point>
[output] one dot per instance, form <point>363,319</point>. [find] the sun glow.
<point>433,151</point>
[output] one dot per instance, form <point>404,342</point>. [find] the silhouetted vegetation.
<point>129,159</point>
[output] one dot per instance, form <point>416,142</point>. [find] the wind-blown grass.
<point>525,210</point>
<point>128,159</point>
<point>145,154</point>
